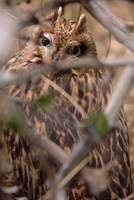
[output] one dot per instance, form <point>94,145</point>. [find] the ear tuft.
<point>52,18</point>
<point>81,25</point>
<point>60,11</point>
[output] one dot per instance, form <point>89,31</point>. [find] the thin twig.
<point>67,96</point>
<point>109,44</point>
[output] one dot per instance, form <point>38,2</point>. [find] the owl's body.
<point>61,39</point>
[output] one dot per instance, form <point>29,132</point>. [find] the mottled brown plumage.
<point>57,123</point>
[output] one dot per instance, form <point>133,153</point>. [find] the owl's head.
<point>57,38</point>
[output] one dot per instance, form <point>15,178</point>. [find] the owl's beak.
<point>55,57</point>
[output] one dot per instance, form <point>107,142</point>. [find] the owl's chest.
<point>65,92</point>
<point>58,121</point>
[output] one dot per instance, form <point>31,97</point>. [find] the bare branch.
<point>101,12</point>
<point>8,78</point>
<point>10,110</point>
<point>122,89</point>
<point>45,144</point>
<point>98,179</point>
<point>130,26</point>
<point>78,154</point>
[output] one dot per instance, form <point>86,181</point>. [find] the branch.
<point>84,146</point>
<point>8,78</point>
<point>78,154</point>
<point>122,89</point>
<point>101,12</point>
<point>38,139</point>
<point>130,26</point>
<point>12,112</point>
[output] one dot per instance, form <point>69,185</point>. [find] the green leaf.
<point>13,124</point>
<point>12,116</point>
<point>42,102</point>
<point>101,124</point>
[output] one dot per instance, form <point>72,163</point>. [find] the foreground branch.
<point>111,22</point>
<point>45,144</point>
<point>122,89</point>
<point>9,78</point>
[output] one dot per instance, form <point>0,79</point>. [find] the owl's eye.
<point>45,41</point>
<point>74,50</point>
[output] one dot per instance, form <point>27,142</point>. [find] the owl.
<point>59,39</point>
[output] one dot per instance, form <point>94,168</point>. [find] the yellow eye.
<point>45,41</point>
<point>74,50</point>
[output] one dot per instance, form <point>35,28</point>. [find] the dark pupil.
<point>75,50</point>
<point>45,41</point>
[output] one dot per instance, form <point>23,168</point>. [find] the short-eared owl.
<point>59,39</point>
